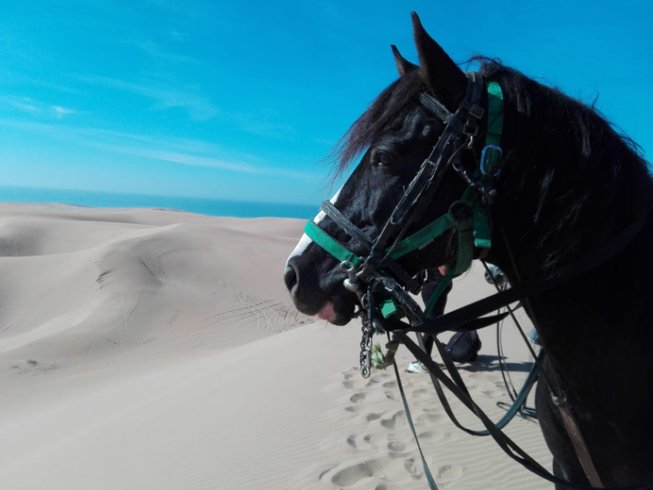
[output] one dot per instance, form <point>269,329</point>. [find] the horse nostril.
<point>290,277</point>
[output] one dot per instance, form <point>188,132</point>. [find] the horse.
<point>568,189</point>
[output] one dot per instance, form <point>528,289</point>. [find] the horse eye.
<point>381,158</point>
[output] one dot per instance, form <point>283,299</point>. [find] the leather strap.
<point>580,446</point>
<point>471,312</point>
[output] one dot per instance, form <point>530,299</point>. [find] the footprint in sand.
<point>434,436</point>
<point>351,475</point>
<point>391,422</point>
<point>373,416</point>
<point>428,418</point>
<point>376,439</point>
<point>357,397</point>
<point>390,486</point>
<point>420,392</point>
<point>325,472</point>
<point>433,409</point>
<point>412,468</point>
<point>396,447</point>
<point>368,441</point>
<point>351,441</point>
<point>449,472</point>
<point>372,381</point>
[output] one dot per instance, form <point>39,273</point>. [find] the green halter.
<point>472,232</point>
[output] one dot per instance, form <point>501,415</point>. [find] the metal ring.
<point>347,266</point>
<point>490,163</point>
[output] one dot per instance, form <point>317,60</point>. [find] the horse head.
<point>396,136</point>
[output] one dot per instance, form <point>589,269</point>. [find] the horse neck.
<point>558,201</point>
<point>536,236</point>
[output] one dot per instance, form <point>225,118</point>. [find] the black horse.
<point>568,185</point>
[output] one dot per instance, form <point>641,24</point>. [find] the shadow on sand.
<point>485,362</point>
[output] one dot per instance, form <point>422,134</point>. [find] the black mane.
<point>585,119</point>
<point>580,174</point>
<point>375,119</point>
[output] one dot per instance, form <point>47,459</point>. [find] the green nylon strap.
<point>435,296</point>
<point>388,308</point>
<point>423,236</point>
<point>331,245</point>
<point>481,228</point>
<point>495,114</point>
<point>465,248</point>
<point>465,232</point>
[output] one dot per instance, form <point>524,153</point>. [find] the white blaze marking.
<point>305,241</point>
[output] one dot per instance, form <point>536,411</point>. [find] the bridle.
<point>383,287</point>
<point>379,281</point>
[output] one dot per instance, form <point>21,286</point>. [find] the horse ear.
<point>403,65</point>
<point>444,78</point>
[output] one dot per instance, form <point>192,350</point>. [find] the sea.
<point>211,207</point>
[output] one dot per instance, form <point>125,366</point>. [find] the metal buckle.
<point>490,163</point>
<point>470,128</point>
<point>476,111</point>
<point>351,282</point>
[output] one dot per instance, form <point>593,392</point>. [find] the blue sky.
<point>244,100</point>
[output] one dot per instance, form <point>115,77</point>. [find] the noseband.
<point>380,282</point>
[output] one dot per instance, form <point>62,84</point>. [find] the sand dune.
<point>153,349</point>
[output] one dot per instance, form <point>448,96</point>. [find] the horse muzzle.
<point>333,303</point>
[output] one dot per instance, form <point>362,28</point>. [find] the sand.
<point>154,349</point>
